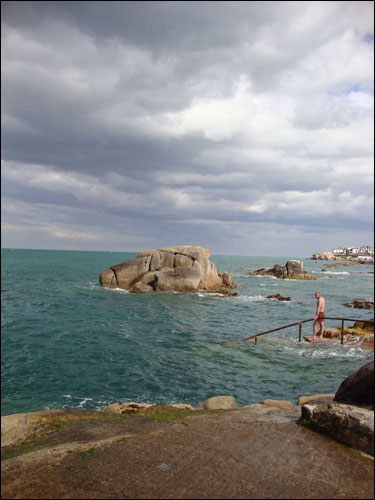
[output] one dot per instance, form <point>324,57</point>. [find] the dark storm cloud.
<point>172,118</point>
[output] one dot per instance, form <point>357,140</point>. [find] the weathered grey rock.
<point>219,403</point>
<point>123,275</point>
<point>140,287</point>
<point>180,268</point>
<point>179,279</point>
<point>348,424</point>
<point>358,388</point>
<point>277,296</point>
<point>227,279</point>
<point>293,269</point>
<point>361,304</point>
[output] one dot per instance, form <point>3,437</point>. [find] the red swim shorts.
<point>321,315</point>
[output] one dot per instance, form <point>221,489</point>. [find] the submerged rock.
<point>180,269</point>
<point>293,269</point>
<point>277,296</point>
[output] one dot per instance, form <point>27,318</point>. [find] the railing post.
<point>255,337</point>
<point>342,331</point>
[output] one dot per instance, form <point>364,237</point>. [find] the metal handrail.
<point>305,321</point>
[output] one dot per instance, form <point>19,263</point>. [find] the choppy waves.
<point>68,342</point>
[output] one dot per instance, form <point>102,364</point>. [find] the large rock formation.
<point>180,268</point>
<point>352,425</point>
<point>350,417</point>
<point>358,388</point>
<point>293,269</point>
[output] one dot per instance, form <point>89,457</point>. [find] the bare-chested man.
<point>320,315</point>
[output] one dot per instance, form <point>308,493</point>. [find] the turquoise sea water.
<point>68,342</point>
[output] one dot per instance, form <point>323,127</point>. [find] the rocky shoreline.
<point>357,389</point>
<point>135,450</point>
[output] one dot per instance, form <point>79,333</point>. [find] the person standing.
<point>319,316</point>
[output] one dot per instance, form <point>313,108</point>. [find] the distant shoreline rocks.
<point>324,256</point>
<point>177,269</point>
<point>293,269</point>
<point>345,259</point>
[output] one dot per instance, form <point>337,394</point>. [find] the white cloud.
<point>236,113</point>
<point>86,189</point>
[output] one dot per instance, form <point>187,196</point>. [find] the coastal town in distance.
<point>362,254</point>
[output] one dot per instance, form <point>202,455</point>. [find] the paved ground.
<point>252,452</point>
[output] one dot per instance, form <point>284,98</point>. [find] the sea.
<point>67,342</point>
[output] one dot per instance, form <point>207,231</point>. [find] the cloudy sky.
<point>242,127</point>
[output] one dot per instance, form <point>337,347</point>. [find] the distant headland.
<point>363,254</point>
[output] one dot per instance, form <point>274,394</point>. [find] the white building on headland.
<point>362,252</point>
<point>366,257</point>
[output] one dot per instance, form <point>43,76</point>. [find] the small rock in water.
<point>277,296</point>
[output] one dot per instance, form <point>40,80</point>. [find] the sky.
<point>243,127</point>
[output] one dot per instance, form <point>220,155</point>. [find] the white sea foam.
<point>330,272</point>
<point>333,272</point>
<point>84,401</point>
<point>251,298</point>
<point>336,351</point>
<point>213,294</point>
<point>98,286</point>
